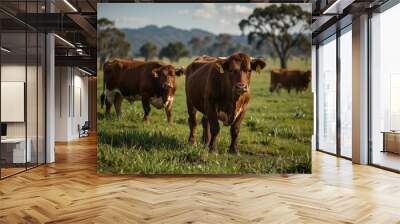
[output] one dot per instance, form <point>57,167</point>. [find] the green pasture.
<point>275,135</point>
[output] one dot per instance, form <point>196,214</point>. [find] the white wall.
<point>70,83</point>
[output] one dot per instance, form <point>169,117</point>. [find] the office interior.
<point>48,77</point>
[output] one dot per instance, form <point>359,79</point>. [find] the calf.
<point>151,82</point>
<point>220,89</point>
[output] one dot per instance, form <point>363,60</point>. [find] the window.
<point>346,92</point>
<point>327,96</point>
<point>385,89</point>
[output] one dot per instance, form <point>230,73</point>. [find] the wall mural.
<point>204,88</point>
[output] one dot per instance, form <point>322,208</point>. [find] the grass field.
<point>275,135</point>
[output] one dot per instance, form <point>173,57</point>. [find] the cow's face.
<point>166,81</point>
<point>236,75</point>
<point>238,68</point>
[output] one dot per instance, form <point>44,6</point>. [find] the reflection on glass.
<point>327,96</point>
<point>346,94</point>
<point>385,89</point>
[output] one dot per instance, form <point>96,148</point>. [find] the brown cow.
<point>151,82</point>
<point>289,79</point>
<point>220,89</point>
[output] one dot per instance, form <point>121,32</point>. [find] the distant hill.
<point>161,36</point>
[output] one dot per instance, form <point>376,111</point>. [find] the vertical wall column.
<point>50,92</point>
<point>314,91</point>
<point>360,90</point>
<point>92,101</point>
<point>50,99</point>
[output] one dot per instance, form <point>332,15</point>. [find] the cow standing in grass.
<point>289,79</point>
<point>151,82</point>
<point>220,89</point>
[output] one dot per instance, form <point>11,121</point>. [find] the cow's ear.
<point>155,72</point>
<point>257,64</point>
<point>222,65</point>
<point>180,71</point>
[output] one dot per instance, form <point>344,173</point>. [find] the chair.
<point>84,130</point>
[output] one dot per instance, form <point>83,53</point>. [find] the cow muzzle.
<point>241,88</point>
<point>166,85</point>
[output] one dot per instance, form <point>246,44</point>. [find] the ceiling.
<point>74,22</point>
<point>328,15</point>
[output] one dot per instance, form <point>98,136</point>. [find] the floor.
<point>70,191</point>
<point>10,171</point>
<point>387,159</point>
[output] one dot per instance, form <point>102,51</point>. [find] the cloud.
<point>130,21</point>
<point>238,9</point>
<point>224,21</point>
<point>207,11</point>
<point>183,11</point>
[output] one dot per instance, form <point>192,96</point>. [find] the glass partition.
<point>385,89</point>
<point>22,101</point>
<point>327,96</point>
<point>14,153</point>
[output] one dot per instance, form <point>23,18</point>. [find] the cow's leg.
<point>192,122</point>
<point>146,108</point>
<point>168,112</point>
<point>278,88</point>
<point>214,129</point>
<point>235,128</point>
<point>272,88</point>
<point>206,130</point>
<point>117,104</point>
<point>108,107</point>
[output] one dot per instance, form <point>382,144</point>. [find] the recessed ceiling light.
<point>5,50</point>
<point>86,72</point>
<point>64,40</point>
<point>70,5</point>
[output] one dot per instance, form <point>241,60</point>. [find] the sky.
<point>213,17</point>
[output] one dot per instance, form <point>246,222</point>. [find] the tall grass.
<point>275,135</point>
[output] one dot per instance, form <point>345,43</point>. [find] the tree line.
<point>281,28</point>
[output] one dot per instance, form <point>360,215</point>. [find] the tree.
<point>148,50</point>
<point>197,45</point>
<point>174,51</point>
<point>305,47</point>
<point>281,25</point>
<point>111,41</point>
<point>223,44</point>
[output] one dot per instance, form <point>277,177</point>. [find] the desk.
<point>391,141</point>
<point>13,150</point>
